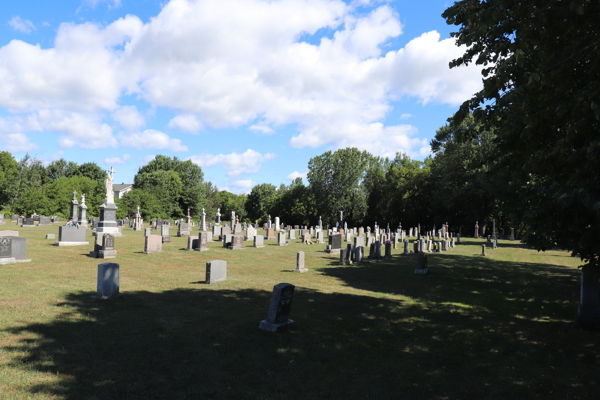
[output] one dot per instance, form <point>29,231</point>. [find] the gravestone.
<point>237,242</point>
<point>202,241</point>
<point>27,222</point>
<point>281,239</point>
<point>300,262</point>
<point>588,309</point>
<point>270,233</point>
<point>71,235</point>
<point>237,229</point>
<point>421,264</point>
<point>320,237</point>
<point>359,254</point>
<point>14,218</point>
<point>405,247</point>
<point>494,244</point>
<point>343,257</point>
<point>216,271</point>
<point>164,233</point>
<point>192,243</point>
<point>216,231</point>
<point>9,233</point>
<point>183,230</point>
<point>44,221</point>
<point>335,244</point>
<point>227,240</point>
<point>483,250</point>
<point>292,234</point>
<point>13,249</point>
<point>279,308</point>
<point>388,250</point>
<point>511,236</point>
<point>50,236</point>
<point>147,231</point>
<point>250,232</point>
<point>153,244</point>
<point>226,230</point>
<point>259,241</point>
<point>108,247</point>
<point>108,280</point>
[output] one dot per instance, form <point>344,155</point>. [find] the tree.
<point>150,207</point>
<point>166,187</point>
<point>92,171</point>
<point>335,179</point>
<point>9,179</point>
<point>61,168</point>
<point>295,204</point>
<point>260,201</point>
<point>540,91</point>
<point>229,202</point>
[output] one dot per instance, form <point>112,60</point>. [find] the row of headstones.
<point>108,283</point>
<point>30,222</point>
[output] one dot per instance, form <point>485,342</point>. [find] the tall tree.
<point>336,179</point>
<point>260,200</point>
<point>9,179</point>
<point>541,89</point>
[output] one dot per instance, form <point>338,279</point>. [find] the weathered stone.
<point>281,239</point>
<point>202,241</point>
<point>335,243</point>
<point>183,230</point>
<point>216,271</point>
<point>300,262</point>
<point>359,254</point>
<point>270,233</point>
<point>483,250</point>
<point>227,240</point>
<point>192,243</point>
<point>388,250</point>
<point>422,267</point>
<point>9,233</point>
<point>279,308</point>
<point>237,242</point>
<point>71,235</point>
<point>153,244</point>
<point>259,241</point>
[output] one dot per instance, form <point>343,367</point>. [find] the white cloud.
<point>129,117</point>
<point>111,3</point>
<point>243,186</point>
<point>232,63</point>
<point>16,142</point>
<point>247,162</point>
<point>405,116</point>
<point>186,123</point>
<point>149,158</point>
<point>297,174</point>
<point>21,25</point>
<point>151,139</point>
<point>117,160</point>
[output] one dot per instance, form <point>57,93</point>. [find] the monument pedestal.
<point>108,220</point>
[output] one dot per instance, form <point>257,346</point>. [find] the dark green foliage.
<point>260,201</point>
<point>295,204</point>
<point>150,206</point>
<point>229,202</point>
<point>166,187</point>
<point>9,179</point>
<point>541,91</point>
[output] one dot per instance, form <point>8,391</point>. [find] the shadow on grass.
<point>472,328</point>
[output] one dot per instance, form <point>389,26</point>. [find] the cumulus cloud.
<point>16,142</point>
<point>247,162</point>
<point>243,186</point>
<point>297,174</point>
<point>117,160</point>
<point>185,123</point>
<point>21,25</point>
<point>151,139</point>
<point>129,117</point>
<point>232,63</point>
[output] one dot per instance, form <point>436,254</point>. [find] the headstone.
<point>227,238</point>
<point>270,234</point>
<point>226,230</point>
<point>71,235</point>
<point>147,231</point>
<point>9,233</point>
<point>494,244</point>
<point>259,241</point>
<point>14,218</point>
<point>483,250</point>
<point>164,233</point>
<point>192,243</point>
<point>108,247</point>
<point>388,250</point>
<point>50,236</point>
<point>13,249</point>
<point>44,221</point>
<point>588,309</point>
<point>343,257</point>
<point>108,280</point>
<point>237,242</point>
<point>422,267</point>
<point>320,237</point>
<point>300,262</point>
<point>216,271</point>
<point>281,239</point>
<point>202,241</point>
<point>153,244</point>
<point>217,231</point>
<point>277,225</point>
<point>405,247</point>
<point>359,254</point>
<point>334,244</point>
<point>512,234</point>
<point>183,230</point>
<point>279,308</point>
<point>27,222</point>
<point>250,232</point>
<point>292,234</point>
<point>359,241</point>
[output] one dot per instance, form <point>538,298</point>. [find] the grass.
<point>496,327</point>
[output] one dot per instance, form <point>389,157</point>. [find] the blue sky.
<point>249,90</point>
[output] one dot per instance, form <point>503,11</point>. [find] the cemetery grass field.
<point>496,327</point>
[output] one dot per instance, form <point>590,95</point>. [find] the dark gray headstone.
<point>27,221</point>
<point>216,271</point>
<point>13,247</point>
<point>14,218</point>
<point>202,241</point>
<point>335,241</point>
<point>279,308</point>
<point>45,221</point>
<point>108,242</point>
<point>71,233</point>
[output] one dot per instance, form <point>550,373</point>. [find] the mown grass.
<point>499,327</point>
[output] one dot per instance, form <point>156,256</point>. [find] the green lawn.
<point>496,327</point>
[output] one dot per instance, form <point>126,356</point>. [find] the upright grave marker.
<point>279,308</point>
<point>216,271</point>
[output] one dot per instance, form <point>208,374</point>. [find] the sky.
<point>250,90</point>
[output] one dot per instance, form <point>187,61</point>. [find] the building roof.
<point>118,188</point>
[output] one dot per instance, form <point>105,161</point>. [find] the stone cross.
<point>341,215</point>
<point>74,195</point>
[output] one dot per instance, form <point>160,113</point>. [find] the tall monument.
<point>108,209</point>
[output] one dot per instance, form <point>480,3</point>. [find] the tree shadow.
<point>439,340</point>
